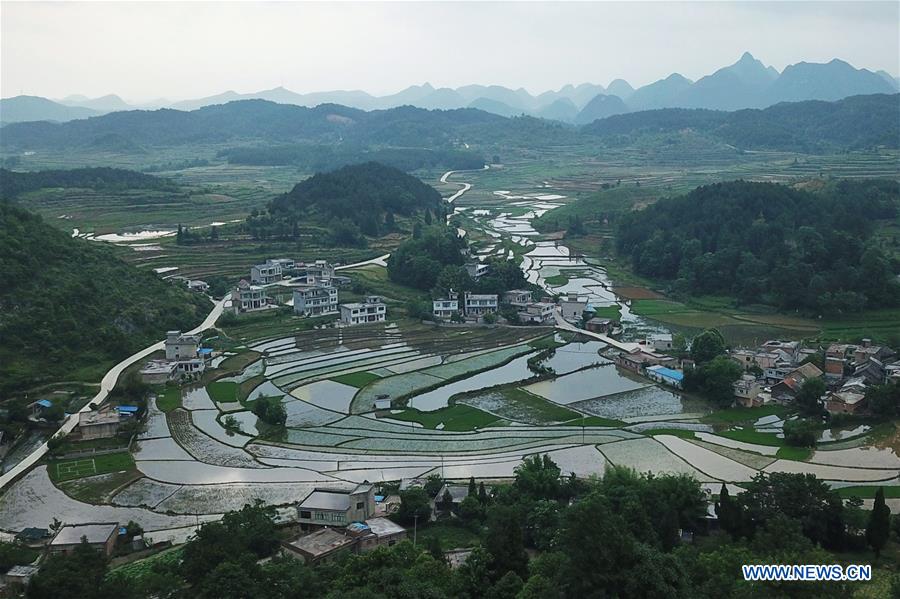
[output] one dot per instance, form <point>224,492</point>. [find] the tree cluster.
<point>769,243</point>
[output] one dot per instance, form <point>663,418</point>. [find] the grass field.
<point>676,432</point>
<point>868,492</point>
<point>92,490</point>
<point>517,404</point>
<point>356,379</point>
<point>63,470</point>
<point>169,398</point>
<point>594,421</point>
<point>736,415</point>
<point>799,454</point>
<point>223,392</point>
<point>454,418</point>
<point>749,435</point>
<point>450,535</point>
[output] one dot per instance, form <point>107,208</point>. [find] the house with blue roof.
<point>666,376</point>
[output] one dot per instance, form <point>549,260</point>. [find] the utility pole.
<point>415,528</point>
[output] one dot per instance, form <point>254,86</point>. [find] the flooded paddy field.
<point>464,402</point>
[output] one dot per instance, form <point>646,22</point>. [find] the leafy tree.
<point>471,511</point>
<point>541,524</point>
<point>714,380</point>
<point>413,503</point>
<point>538,477</point>
<point>505,542</point>
<point>472,487</point>
<point>270,410</point>
<point>482,494</point>
<point>433,484</point>
<point>707,345</point>
<point>77,575</point>
<point>800,433</point>
<point>878,529</point>
<point>808,397</point>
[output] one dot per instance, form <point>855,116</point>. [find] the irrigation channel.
<point>466,403</point>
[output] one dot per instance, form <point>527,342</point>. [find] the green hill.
<point>69,305</point>
<point>360,198</point>
<point>810,249</point>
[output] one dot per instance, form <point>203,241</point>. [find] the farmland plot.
<point>203,447</point>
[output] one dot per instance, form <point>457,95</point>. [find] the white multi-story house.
<point>184,350</point>
<point>517,297</point>
<point>444,308</point>
<point>371,310</point>
<point>537,312</point>
<point>271,271</point>
<point>479,304</point>
<point>572,307</point>
<point>476,270</point>
<point>313,300</point>
<point>248,298</point>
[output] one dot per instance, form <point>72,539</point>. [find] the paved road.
<point>106,385</point>
<point>465,186</point>
<point>380,261</point>
<point>561,323</point>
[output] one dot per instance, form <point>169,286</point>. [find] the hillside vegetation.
<point>858,122</point>
<point>13,184</point>
<point>767,243</point>
<point>69,304</point>
<point>352,200</point>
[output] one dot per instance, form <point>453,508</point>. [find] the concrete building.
<point>326,507</point>
<point>319,546</point>
<point>660,341</point>
<point>849,399</point>
<point>746,390</point>
<point>248,298</point>
<point>537,313</point>
<point>99,424</point>
<point>600,325</point>
<point>18,577</point>
<point>638,359</point>
<point>517,297</point>
<point>371,310</point>
<point>271,271</point>
<point>314,300</point>
<point>479,304</point>
<point>100,536</point>
<point>158,372</point>
<point>444,308</point>
<point>375,533</point>
<point>572,307</point>
<point>788,388</point>
<point>181,347</point>
<point>666,376</point>
<point>476,270</point>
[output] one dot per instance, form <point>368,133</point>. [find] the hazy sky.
<point>182,50</point>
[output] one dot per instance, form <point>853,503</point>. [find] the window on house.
<point>359,505</point>
<point>305,514</point>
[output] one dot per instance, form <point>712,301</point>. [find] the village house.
<point>892,372</point>
<point>572,307</point>
<point>185,351</point>
<point>320,546</point>
<point>871,370</point>
<point>370,310</point>
<point>517,297</point>
<point>314,300</point>
<point>787,389</point>
<point>867,351</point>
<point>444,308</point>
<point>39,407</point>
<point>99,424</point>
<point>374,533</point>
<point>248,298</point>
<point>318,271</point>
<point>660,341</point>
<point>788,348</point>
<point>748,358</point>
<point>18,577</point>
<point>603,326</point>
<point>537,313</point>
<point>456,495</point>
<point>197,285</point>
<point>747,390</point>
<point>158,372</point>
<point>666,376</point>
<point>266,273</point>
<point>100,536</point>
<point>33,537</point>
<point>476,270</point>
<point>639,358</point>
<point>479,304</point>
<point>849,399</point>
<point>326,507</point>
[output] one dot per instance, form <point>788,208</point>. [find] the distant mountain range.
<point>264,132</point>
<point>748,83</point>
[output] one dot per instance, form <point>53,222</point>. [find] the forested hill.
<point>808,249</point>
<point>254,119</point>
<point>858,122</point>
<point>67,304</point>
<point>369,195</point>
<point>13,184</point>
<point>249,129</point>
